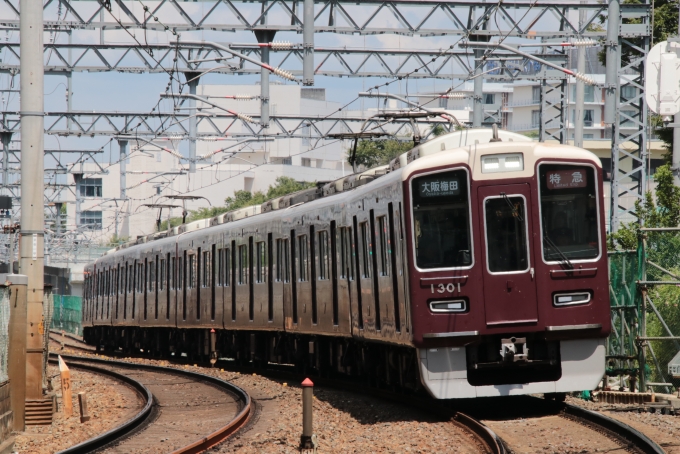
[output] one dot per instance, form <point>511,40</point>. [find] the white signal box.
<point>662,84</point>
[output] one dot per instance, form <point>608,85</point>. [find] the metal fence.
<point>659,288</point>
<point>67,314</point>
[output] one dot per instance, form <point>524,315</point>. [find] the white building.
<point>153,174</point>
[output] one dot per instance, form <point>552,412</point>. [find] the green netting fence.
<point>67,314</point>
<point>622,353</point>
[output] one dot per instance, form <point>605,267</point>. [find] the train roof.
<point>468,144</point>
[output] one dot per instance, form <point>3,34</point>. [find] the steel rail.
<point>123,429</point>
<point>210,440</point>
<point>619,429</point>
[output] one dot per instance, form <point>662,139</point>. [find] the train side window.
<point>180,273</point>
<point>205,269</point>
<point>303,261</point>
<point>365,256</point>
<point>161,278</point>
<point>242,264</point>
<point>192,271</point>
<point>219,267</point>
<point>261,258</point>
<point>173,273</point>
<point>343,253</point>
<point>323,255</point>
<point>152,276</point>
<point>350,253</point>
<point>278,276</point>
<point>140,277</point>
<point>284,262</point>
<point>129,278</point>
<point>227,268</point>
<point>384,246</point>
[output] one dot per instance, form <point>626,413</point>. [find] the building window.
<point>535,118</point>
<point>588,115</point>
<point>536,95</point>
<point>588,93</point>
<point>306,162</point>
<point>287,161</point>
<point>92,219</point>
<point>443,103</point>
<point>91,187</point>
<point>628,92</point>
<point>625,117</point>
<point>588,136</point>
<point>489,98</point>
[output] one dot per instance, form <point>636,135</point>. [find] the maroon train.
<point>467,267</point>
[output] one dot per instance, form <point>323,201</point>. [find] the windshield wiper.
<point>515,212</point>
<point>565,259</point>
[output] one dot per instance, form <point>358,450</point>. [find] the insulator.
<point>280,45</point>
<point>244,117</point>
<point>454,95</point>
<point>244,97</point>
<point>584,78</point>
<point>584,43</point>
<point>283,73</point>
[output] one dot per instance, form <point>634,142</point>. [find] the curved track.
<point>625,435</point>
<point>190,413</point>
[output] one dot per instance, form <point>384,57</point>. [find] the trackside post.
<point>308,439</point>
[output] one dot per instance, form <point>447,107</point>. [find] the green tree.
<point>372,153</point>
<point>664,213</point>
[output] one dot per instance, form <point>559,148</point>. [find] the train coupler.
<point>514,349</point>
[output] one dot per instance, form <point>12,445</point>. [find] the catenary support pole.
<point>124,230</point>
<point>580,88</point>
<point>308,43</point>
<point>478,91</point>
<point>16,362</point>
<point>6,138</point>
<point>32,170</point>
<point>264,36</point>
<point>192,81</point>
<point>611,82</point>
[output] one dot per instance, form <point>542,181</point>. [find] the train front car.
<point>508,269</point>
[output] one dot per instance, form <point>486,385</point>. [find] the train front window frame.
<point>463,176</point>
<point>578,220</point>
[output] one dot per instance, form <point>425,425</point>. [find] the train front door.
<point>508,260</point>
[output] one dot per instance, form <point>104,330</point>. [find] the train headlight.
<point>571,299</point>
<point>509,162</point>
<point>448,306</point>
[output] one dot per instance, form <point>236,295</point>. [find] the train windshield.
<point>568,212</point>
<point>441,220</point>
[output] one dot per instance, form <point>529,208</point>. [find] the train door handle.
<point>510,285</point>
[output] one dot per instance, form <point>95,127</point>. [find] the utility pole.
<point>580,87</point>
<point>308,43</point>
<point>32,168</point>
<point>675,159</point>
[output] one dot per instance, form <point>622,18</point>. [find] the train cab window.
<point>205,269</point>
<point>384,247</point>
<point>365,248</point>
<point>441,220</point>
<point>569,216</point>
<point>261,262</point>
<point>242,264</point>
<point>191,264</point>
<point>507,249</point>
<point>323,255</point>
<point>303,261</point>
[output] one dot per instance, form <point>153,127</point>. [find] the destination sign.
<point>438,186</point>
<point>566,179</point>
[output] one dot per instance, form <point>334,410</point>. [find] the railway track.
<point>185,411</point>
<point>469,418</point>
